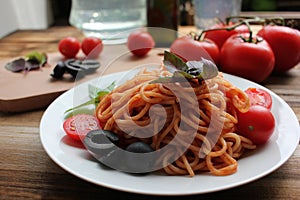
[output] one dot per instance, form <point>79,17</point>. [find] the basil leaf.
<point>41,58</point>
<point>171,60</point>
<point>16,65</point>
<point>98,92</point>
<point>94,93</point>
<point>202,70</point>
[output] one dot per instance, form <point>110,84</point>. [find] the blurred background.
<point>61,8</point>
<point>40,14</point>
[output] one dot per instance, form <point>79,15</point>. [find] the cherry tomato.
<point>189,49</point>
<point>259,96</point>
<point>69,47</point>
<point>92,47</point>
<point>77,126</point>
<point>258,124</point>
<point>253,60</point>
<point>140,43</point>
<point>220,36</point>
<point>285,43</point>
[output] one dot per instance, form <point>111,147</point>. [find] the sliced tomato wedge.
<point>77,126</point>
<point>260,97</point>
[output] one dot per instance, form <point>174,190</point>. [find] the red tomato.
<point>79,125</point>
<point>258,124</point>
<point>285,43</point>
<point>92,47</point>
<point>189,49</point>
<point>220,36</point>
<point>140,43</point>
<point>69,47</point>
<point>251,60</point>
<point>259,97</point>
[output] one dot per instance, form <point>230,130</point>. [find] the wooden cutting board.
<point>36,89</point>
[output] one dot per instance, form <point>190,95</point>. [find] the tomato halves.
<point>140,43</point>
<point>92,47</point>
<point>251,60</point>
<point>189,49</point>
<point>69,47</point>
<point>258,124</point>
<point>79,125</point>
<point>259,96</point>
<point>285,43</point>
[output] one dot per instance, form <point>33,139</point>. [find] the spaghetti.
<point>152,113</point>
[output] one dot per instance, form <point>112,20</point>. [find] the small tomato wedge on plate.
<point>259,96</point>
<point>258,124</point>
<point>77,126</point>
<point>247,56</point>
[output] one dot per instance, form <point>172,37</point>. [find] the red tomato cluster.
<point>70,46</point>
<point>138,42</point>
<point>274,49</point>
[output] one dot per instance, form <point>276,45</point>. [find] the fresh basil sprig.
<point>186,71</point>
<point>95,94</point>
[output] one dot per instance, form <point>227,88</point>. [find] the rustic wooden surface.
<point>26,171</point>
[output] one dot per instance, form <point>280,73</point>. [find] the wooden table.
<point>26,171</point>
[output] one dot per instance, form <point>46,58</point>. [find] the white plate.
<point>77,161</point>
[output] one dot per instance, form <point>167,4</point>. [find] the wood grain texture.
<point>27,172</point>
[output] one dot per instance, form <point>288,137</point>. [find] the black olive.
<point>90,65</point>
<point>59,70</point>
<point>139,147</point>
<point>101,142</point>
<point>74,70</point>
<point>136,159</point>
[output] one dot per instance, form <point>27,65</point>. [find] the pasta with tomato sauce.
<point>205,115</point>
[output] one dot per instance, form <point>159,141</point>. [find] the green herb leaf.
<point>41,58</point>
<point>201,70</point>
<point>171,60</point>
<point>94,93</point>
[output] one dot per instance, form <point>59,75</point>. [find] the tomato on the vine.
<point>92,47</point>
<point>258,124</point>
<point>190,49</point>
<point>69,47</point>
<point>77,126</point>
<point>285,43</point>
<point>248,57</point>
<point>220,36</point>
<point>140,43</point>
<point>259,96</point>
